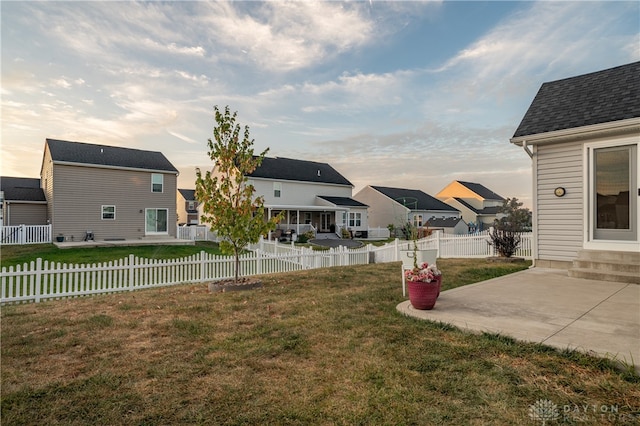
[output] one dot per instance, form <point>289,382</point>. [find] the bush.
<point>505,241</point>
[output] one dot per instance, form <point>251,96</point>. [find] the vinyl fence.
<point>43,280</point>
<point>25,234</point>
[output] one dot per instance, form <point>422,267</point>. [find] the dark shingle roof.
<point>299,170</point>
<point>595,98</point>
<point>487,210</point>
<point>21,189</point>
<point>103,155</point>
<point>414,199</point>
<point>481,190</point>
<point>343,201</point>
<point>448,222</point>
<point>188,194</point>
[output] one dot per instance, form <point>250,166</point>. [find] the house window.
<point>157,180</point>
<point>191,205</point>
<point>417,220</point>
<point>355,219</point>
<point>277,189</point>
<point>307,218</point>
<point>108,212</point>
<point>156,221</point>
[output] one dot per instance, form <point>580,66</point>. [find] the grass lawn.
<point>17,255</point>
<point>315,347</point>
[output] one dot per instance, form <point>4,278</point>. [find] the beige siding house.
<point>187,207</point>
<point>582,134</point>
<point>108,193</point>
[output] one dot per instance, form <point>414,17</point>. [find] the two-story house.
<point>313,196</point>
<point>187,207</point>
<point>399,206</point>
<point>478,204</point>
<point>106,192</point>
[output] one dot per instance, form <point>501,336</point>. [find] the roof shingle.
<point>298,170</point>
<point>104,155</point>
<point>414,199</point>
<point>21,189</point>
<point>599,97</point>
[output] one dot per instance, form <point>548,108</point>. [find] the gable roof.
<point>343,201</point>
<point>481,190</point>
<point>188,194</point>
<point>298,170</point>
<point>21,189</point>
<point>108,156</point>
<point>599,97</point>
<point>485,211</point>
<point>414,199</point>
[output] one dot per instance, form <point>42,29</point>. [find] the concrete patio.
<point>549,307</point>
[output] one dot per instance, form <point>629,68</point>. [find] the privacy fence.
<point>42,280</point>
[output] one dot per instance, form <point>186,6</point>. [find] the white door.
<point>613,192</point>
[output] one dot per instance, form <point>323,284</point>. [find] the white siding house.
<point>582,134</point>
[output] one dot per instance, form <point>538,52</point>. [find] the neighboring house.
<point>582,134</point>
<point>478,204</point>
<point>187,207</point>
<point>22,202</point>
<point>449,225</point>
<point>312,195</point>
<point>108,192</point>
<point>397,206</point>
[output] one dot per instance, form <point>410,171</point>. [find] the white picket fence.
<point>42,280</point>
<point>25,234</point>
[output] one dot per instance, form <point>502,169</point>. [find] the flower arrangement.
<point>424,273</point>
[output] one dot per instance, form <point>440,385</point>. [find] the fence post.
<point>438,243</point>
<point>38,279</point>
<point>258,262</point>
<point>23,234</point>
<point>397,250</point>
<point>131,272</point>
<point>203,269</point>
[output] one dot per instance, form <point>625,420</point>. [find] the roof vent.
<point>318,172</point>
<point>101,150</point>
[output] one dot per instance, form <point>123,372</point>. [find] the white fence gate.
<point>25,234</point>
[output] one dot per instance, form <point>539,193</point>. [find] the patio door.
<point>156,221</point>
<point>325,222</point>
<point>613,192</point>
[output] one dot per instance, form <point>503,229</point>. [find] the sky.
<point>404,94</point>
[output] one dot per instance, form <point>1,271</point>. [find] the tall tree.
<point>228,201</point>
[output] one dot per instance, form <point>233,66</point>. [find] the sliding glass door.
<point>156,221</point>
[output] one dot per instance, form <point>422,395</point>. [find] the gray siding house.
<point>22,202</point>
<point>582,134</point>
<point>108,193</point>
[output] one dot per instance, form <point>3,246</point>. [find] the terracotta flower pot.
<point>423,295</point>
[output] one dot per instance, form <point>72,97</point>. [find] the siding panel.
<point>80,193</point>
<point>559,219</point>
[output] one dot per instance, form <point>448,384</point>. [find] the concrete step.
<point>616,276</point>
<point>627,257</point>
<point>601,265</point>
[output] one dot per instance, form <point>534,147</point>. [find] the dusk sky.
<point>406,94</point>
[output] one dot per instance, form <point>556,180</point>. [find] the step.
<point>628,257</point>
<point>600,265</point>
<point>615,276</point>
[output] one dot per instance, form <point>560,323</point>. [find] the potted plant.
<point>423,282</point>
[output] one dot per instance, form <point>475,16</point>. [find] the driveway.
<point>547,306</point>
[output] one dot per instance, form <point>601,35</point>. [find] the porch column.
<point>298,222</point>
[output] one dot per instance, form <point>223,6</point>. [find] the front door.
<point>614,193</point>
<point>325,222</point>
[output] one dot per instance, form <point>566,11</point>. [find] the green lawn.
<point>322,346</point>
<point>16,255</point>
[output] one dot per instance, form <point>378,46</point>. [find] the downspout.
<point>535,240</point>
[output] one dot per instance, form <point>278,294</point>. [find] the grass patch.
<point>313,347</point>
<point>17,255</point>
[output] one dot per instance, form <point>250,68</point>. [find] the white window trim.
<point>587,196</point>
<point>155,183</point>
<point>277,190</point>
<point>103,212</point>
